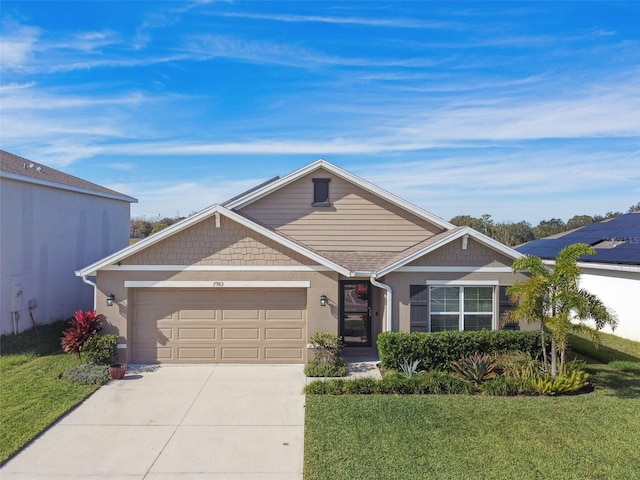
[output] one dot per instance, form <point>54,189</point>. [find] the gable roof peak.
<point>260,192</point>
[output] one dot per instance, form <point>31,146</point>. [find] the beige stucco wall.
<point>319,319</point>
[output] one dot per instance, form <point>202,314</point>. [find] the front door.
<point>355,313</point>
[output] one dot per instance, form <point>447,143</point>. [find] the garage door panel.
<point>242,296</point>
<point>240,353</point>
<point>296,315</point>
<point>196,353</point>
<point>209,326</point>
<point>283,333</point>
<point>199,314</point>
<point>196,333</point>
<point>241,314</point>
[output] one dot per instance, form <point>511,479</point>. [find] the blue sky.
<point>525,111</point>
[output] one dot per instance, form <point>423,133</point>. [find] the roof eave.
<point>61,186</point>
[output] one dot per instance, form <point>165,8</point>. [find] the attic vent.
<point>33,166</point>
<point>321,192</point>
<point>607,243</point>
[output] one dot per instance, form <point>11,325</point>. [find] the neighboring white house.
<point>613,274</point>
<point>51,224</point>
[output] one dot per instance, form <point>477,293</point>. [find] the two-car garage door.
<point>219,325</point>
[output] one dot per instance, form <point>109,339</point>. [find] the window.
<point>321,192</point>
<point>451,308</point>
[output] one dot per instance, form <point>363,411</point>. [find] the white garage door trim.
<point>216,284</point>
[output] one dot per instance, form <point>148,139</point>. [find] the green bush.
<point>338,369</point>
<point>87,374</point>
<point>571,382</point>
<point>101,349</point>
<point>439,350</point>
<point>327,361</point>
<point>476,368</point>
<point>438,382</point>
<point>500,386</point>
<point>392,384</point>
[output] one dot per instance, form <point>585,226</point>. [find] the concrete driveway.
<point>178,422</point>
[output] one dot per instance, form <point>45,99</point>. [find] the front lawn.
<point>32,396</point>
<point>588,436</point>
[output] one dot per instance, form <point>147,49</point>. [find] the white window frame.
<point>460,284</point>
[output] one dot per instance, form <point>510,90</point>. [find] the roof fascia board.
<point>481,238</point>
<point>70,188</point>
<point>365,185</point>
<point>614,267</point>
<point>198,217</point>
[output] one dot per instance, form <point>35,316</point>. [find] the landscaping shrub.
<point>87,374</point>
<point>500,386</point>
<point>476,368</point>
<point>392,384</point>
<point>442,383</point>
<point>571,382</point>
<point>101,349</point>
<point>337,369</point>
<point>83,326</point>
<point>440,349</point>
<point>410,368</point>
<point>327,361</point>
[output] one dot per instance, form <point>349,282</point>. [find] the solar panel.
<point>625,227</point>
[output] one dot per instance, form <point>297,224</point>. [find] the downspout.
<point>389,308</point>
<point>95,290</point>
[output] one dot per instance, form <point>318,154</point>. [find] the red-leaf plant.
<point>84,325</point>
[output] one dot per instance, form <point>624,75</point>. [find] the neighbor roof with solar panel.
<point>616,241</point>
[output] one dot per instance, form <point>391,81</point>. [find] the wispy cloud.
<point>17,44</point>
<point>208,47</point>
<point>341,20</point>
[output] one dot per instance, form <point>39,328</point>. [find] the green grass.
<point>611,348</point>
<point>591,436</point>
<point>32,396</point>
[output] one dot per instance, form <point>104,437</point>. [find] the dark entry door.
<point>355,313</point>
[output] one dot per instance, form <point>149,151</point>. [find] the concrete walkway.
<point>178,422</point>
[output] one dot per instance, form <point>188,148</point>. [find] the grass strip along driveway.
<point>32,396</point>
<point>587,436</point>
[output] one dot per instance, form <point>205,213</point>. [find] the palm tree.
<point>553,297</point>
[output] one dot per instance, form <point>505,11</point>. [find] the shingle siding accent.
<point>204,244</point>
<point>452,255</point>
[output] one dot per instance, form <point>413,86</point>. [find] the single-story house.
<point>319,250</point>
<point>51,224</point>
<point>613,273</point>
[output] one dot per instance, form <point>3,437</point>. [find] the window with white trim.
<point>460,308</point>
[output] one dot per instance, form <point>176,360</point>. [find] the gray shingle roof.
<point>31,171</point>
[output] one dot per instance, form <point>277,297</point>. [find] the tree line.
<point>516,233</point>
